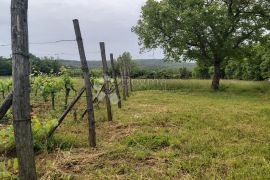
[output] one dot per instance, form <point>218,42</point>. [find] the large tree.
<point>208,31</point>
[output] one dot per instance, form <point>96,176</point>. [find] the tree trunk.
<point>21,90</point>
<point>216,77</point>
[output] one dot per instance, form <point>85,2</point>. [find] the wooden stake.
<point>126,79</point>
<point>94,100</point>
<point>115,81</point>
<point>106,81</point>
<point>123,82</point>
<point>6,105</point>
<point>21,90</point>
<point>89,96</point>
<point>61,119</point>
<point>130,80</point>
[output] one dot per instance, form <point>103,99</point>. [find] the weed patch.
<point>147,141</point>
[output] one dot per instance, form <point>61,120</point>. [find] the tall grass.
<point>233,86</point>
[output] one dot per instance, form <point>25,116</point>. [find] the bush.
<point>5,67</point>
<point>201,72</point>
<point>184,73</point>
<point>160,73</point>
<point>47,65</point>
<point>265,68</point>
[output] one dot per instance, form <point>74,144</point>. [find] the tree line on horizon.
<point>256,66</point>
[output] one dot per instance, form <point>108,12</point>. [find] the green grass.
<point>184,132</point>
<point>229,86</point>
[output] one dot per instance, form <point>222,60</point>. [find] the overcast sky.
<point>103,20</point>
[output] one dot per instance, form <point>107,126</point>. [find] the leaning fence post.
<point>89,96</point>
<point>115,81</point>
<point>65,113</point>
<point>106,80</point>
<point>4,107</point>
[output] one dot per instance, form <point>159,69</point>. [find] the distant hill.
<point>142,63</point>
<point>73,63</point>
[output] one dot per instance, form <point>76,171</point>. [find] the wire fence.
<point>57,54</point>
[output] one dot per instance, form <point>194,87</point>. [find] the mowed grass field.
<point>168,129</point>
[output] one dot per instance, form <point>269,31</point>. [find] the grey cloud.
<point>103,20</point>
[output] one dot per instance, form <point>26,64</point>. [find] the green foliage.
<point>200,72</point>
<point>50,85</point>
<point>5,86</point>
<point>47,65</point>
<point>9,169</point>
<point>67,80</point>
<point>265,68</point>
<point>5,67</point>
<point>65,74</point>
<point>58,141</point>
<point>184,73</point>
<point>162,73</point>
<point>47,85</point>
<point>7,138</point>
<point>233,70</point>
<point>265,64</point>
<point>96,73</point>
<point>199,29</point>
<point>40,131</point>
<point>209,32</point>
<point>255,66</point>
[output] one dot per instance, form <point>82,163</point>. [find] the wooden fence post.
<point>106,80</point>
<point>123,82</point>
<point>21,90</point>
<point>88,87</point>
<point>115,81</point>
<point>130,79</point>
<point>126,79</point>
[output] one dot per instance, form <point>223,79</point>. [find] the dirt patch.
<point>115,130</point>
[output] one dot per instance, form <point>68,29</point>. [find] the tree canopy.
<point>210,32</point>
